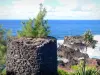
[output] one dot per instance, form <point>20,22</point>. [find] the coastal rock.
<point>74,42</point>
<point>77,42</point>
<point>98,61</point>
<point>71,54</point>
<point>72,49</point>
<point>94,62</point>
<point>31,56</point>
<point>73,39</point>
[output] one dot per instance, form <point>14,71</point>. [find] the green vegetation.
<point>89,41</point>
<point>3,72</point>
<point>4,34</point>
<point>88,38</point>
<point>78,70</point>
<point>62,72</point>
<point>37,27</point>
<point>2,46</point>
<point>89,71</point>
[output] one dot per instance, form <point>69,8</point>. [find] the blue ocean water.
<point>59,28</point>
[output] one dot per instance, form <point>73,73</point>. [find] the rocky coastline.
<point>72,51</point>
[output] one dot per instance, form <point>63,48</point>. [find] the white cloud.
<point>20,9</point>
<point>68,9</point>
<point>76,9</point>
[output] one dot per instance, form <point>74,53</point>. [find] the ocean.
<point>61,28</point>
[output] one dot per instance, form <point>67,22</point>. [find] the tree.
<point>38,27</point>
<point>89,41</point>
<point>4,34</point>
<point>88,38</point>
<point>2,45</point>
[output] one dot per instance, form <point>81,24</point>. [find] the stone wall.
<point>27,56</point>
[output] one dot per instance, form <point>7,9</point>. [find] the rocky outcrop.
<point>71,39</point>
<point>74,42</point>
<point>71,54</point>
<point>27,56</point>
<point>71,49</point>
<point>98,62</point>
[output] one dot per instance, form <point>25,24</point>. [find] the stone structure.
<point>27,56</point>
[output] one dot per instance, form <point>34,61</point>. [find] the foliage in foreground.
<point>89,71</point>
<point>4,34</point>
<point>62,72</point>
<point>2,49</point>
<point>37,27</point>
<point>79,70</point>
<point>85,70</point>
<point>3,72</point>
<point>2,46</point>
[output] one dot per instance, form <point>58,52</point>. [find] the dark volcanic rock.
<point>74,42</point>
<point>71,39</point>
<point>27,56</point>
<point>71,49</point>
<point>72,55</point>
<point>98,61</point>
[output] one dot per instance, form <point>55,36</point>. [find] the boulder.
<point>71,54</point>
<point>98,61</point>
<point>71,49</point>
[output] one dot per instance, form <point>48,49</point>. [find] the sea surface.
<point>59,28</point>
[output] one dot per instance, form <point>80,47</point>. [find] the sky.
<point>56,9</point>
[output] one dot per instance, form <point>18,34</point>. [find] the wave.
<point>93,53</point>
<point>59,42</point>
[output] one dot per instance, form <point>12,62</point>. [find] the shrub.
<point>2,45</point>
<point>37,27</point>
<point>3,72</point>
<point>88,70</point>
<point>2,48</point>
<point>62,72</point>
<point>4,34</point>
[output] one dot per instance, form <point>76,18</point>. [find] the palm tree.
<point>88,38</point>
<point>89,41</point>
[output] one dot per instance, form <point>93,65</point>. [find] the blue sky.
<point>57,9</point>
